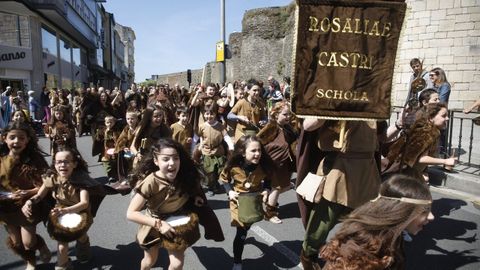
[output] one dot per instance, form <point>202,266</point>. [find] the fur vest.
<point>421,137</point>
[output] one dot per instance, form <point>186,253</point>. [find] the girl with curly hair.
<point>371,236</point>
<point>279,139</point>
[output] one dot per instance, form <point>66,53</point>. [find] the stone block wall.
<point>446,34</point>
<point>266,44</point>
<point>179,77</point>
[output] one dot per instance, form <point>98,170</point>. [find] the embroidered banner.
<point>344,58</point>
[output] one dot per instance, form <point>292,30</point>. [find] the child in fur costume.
<point>61,130</point>
<point>247,170</point>
<point>122,146</point>
<point>68,184</point>
<point>213,137</point>
<point>412,153</point>
<point>21,165</point>
<point>109,157</point>
<point>151,128</point>
<point>279,138</point>
<point>170,188</point>
<point>182,131</point>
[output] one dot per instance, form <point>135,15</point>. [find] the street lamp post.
<point>222,36</point>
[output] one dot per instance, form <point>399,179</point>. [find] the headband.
<point>403,199</point>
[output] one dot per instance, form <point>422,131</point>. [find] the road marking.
<point>272,241</point>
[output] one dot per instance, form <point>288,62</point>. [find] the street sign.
<point>220,56</point>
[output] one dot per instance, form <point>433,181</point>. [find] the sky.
<point>173,36</point>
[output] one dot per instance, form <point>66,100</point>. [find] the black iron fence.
<point>462,138</point>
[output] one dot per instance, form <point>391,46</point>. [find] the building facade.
<point>127,36</point>
<point>58,44</point>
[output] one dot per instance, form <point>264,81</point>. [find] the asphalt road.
<point>450,242</point>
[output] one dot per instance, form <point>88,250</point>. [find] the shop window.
<point>49,48</point>
<point>49,42</point>
<point>51,80</point>
<point>66,60</point>
<point>66,83</point>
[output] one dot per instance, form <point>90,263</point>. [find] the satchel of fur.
<point>185,235</point>
<point>421,137</point>
<point>63,234</point>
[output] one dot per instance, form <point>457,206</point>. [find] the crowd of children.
<point>173,148</point>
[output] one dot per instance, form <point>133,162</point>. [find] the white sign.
<point>15,57</point>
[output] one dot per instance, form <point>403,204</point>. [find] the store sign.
<point>344,58</point>
<point>15,58</point>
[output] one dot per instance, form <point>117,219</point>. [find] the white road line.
<point>272,241</point>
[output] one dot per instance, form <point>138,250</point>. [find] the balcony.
<point>57,5</point>
<point>73,17</point>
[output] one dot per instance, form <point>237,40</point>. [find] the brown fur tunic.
<point>422,137</point>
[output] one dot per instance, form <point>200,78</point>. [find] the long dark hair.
<point>370,237</point>
<point>432,110</point>
<point>238,157</point>
<point>188,177</point>
<point>32,153</point>
<point>144,127</point>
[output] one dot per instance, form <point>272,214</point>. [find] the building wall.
<point>180,78</point>
<point>127,36</point>
<point>446,34</point>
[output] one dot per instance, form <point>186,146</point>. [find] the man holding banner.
<point>344,59</point>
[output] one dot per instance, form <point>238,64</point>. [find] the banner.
<point>344,58</point>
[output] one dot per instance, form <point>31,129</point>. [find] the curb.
<point>458,181</point>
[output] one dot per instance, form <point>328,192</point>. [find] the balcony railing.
<point>462,138</point>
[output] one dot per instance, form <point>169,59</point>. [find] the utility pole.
<point>222,37</point>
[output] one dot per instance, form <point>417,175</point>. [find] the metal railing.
<point>462,138</point>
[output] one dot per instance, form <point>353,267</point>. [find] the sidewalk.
<point>462,178</point>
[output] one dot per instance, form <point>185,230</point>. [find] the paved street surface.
<point>450,242</point>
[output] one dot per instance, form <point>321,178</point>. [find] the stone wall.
<point>179,77</point>
<point>446,34</point>
<point>266,44</point>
